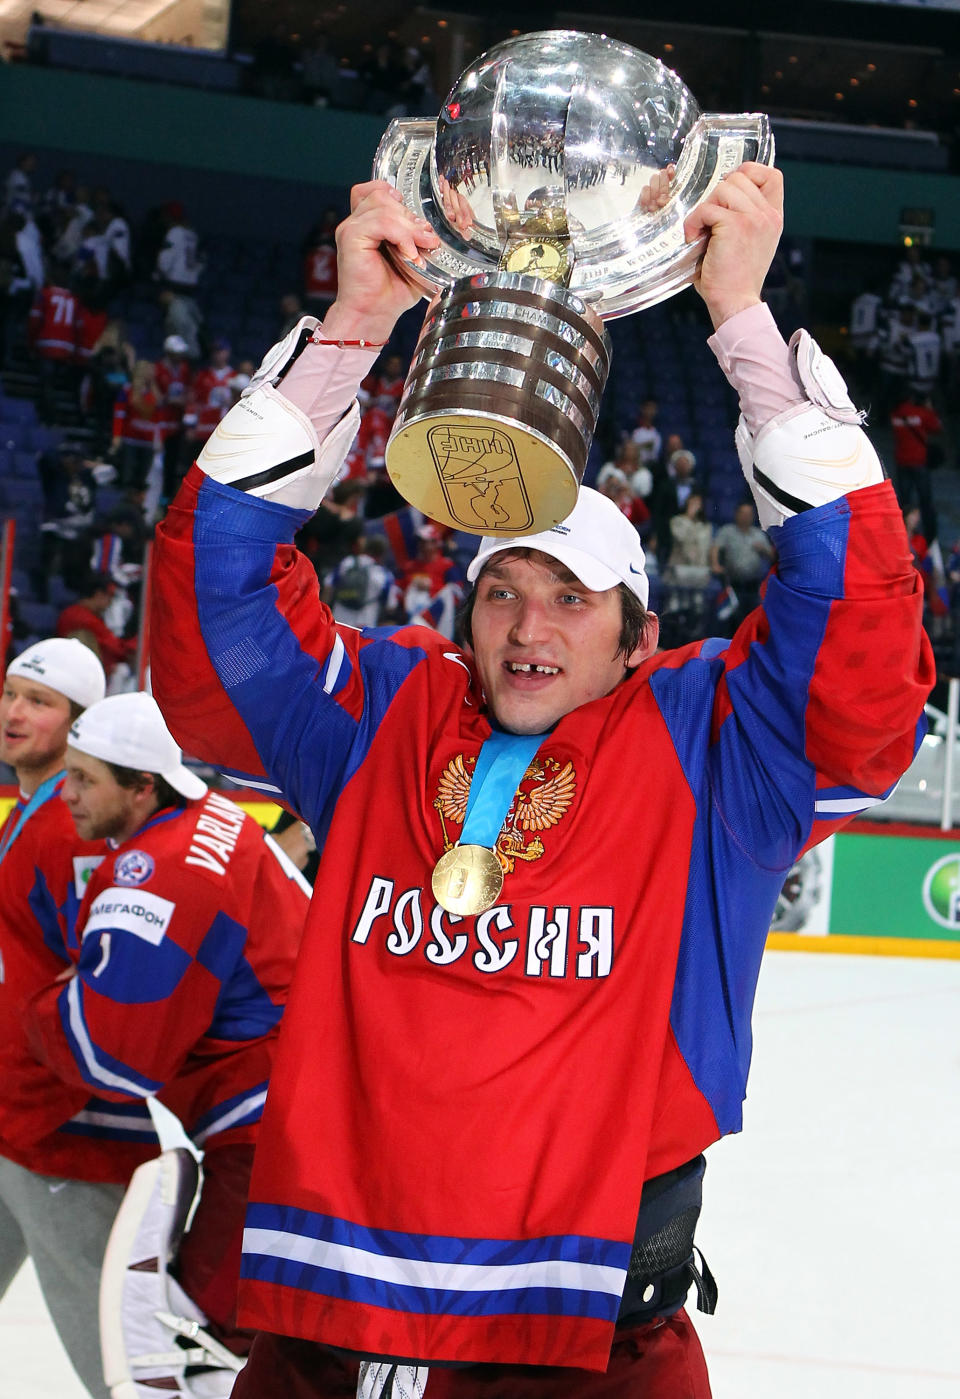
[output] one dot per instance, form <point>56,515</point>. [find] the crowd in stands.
<point>128,340</point>
<point>905,352</point>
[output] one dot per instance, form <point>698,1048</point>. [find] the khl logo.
<point>941,892</point>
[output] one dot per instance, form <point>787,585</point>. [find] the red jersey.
<point>320,272</point>
<point>140,420</point>
<point>912,425</point>
<point>211,397</point>
<point>110,648</point>
<point>90,327</point>
<point>174,383</point>
<point>47,1125</point>
<point>53,325</point>
<point>188,935</point>
<point>465,1109</point>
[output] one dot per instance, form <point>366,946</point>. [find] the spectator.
<point>616,487</point>
<point>672,488</point>
<point>83,619</point>
<point>359,586</point>
<point>174,381</point>
<point>137,419</point>
<point>944,284</point>
<point>691,538</point>
<point>645,433</point>
<point>17,290</point>
<point>914,422</point>
<point>320,264</point>
<point>865,318</point>
<point>923,367</point>
<point>211,394</point>
<point>108,373</point>
<point>52,332</point>
<point>740,557</point>
<point>18,192</point>
<point>69,495</point>
<point>107,240</point>
<point>183,318</point>
<point>179,261</point>
<point>383,77</point>
<point>320,72</point>
<point>291,309</point>
<point>74,223</point>
<point>895,355</point>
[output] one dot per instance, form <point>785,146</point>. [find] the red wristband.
<point>352,344</point>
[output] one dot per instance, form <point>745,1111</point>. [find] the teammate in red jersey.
<point>515,1091</point>
<point>188,933</point>
<point>65,1156</point>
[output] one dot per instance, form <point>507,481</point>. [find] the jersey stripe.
<point>560,1275</point>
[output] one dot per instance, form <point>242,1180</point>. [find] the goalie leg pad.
<point>152,1335</point>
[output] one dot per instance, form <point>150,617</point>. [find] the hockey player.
<point>549,865</point>
<point>188,933</point>
<point>65,1156</point>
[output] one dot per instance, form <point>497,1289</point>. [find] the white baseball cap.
<point>63,664</point>
<point>596,542</point>
<point>175,345</point>
<point>129,730</point>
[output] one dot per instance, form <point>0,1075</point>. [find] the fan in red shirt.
<point>84,619</point>
<point>914,422</point>
<point>174,379</point>
<point>52,330</point>
<point>211,394</point>
<point>320,264</point>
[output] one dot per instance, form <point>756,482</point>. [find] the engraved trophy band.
<point>557,176</point>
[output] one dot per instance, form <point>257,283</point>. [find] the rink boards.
<point>887,890</point>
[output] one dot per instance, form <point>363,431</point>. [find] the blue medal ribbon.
<point>501,764</point>
<point>43,794</point>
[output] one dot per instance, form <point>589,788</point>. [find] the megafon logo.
<point>941,892</point>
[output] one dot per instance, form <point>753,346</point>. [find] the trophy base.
<point>500,405</point>
<point>479,473</point>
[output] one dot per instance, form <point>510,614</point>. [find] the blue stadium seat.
<point>40,617</point>
<point>25,467</point>
<point>15,436</point>
<point>17,410</point>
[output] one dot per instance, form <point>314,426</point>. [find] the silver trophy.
<point>557,176</point>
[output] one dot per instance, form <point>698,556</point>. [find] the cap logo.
<point>35,663</point>
<point>559,529</point>
<point>75,729</point>
<point>634,569</point>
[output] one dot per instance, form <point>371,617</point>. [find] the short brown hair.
<point>634,616</point>
<point>133,777</point>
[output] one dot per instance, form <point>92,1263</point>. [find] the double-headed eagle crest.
<point>542,799</point>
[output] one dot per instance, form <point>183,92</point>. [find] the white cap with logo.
<point>596,542</point>
<point>64,664</point>
<point>129,730</point>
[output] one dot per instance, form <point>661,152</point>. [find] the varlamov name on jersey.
<point>559,941</point>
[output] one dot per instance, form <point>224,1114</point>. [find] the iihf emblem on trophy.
<point>558,176</point>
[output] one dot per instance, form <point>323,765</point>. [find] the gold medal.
<point>467,879</point>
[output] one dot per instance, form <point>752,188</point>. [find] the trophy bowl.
<point>557,176</point>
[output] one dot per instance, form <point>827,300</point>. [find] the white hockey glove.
<point>265,446</point>
<point>812,452</point>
